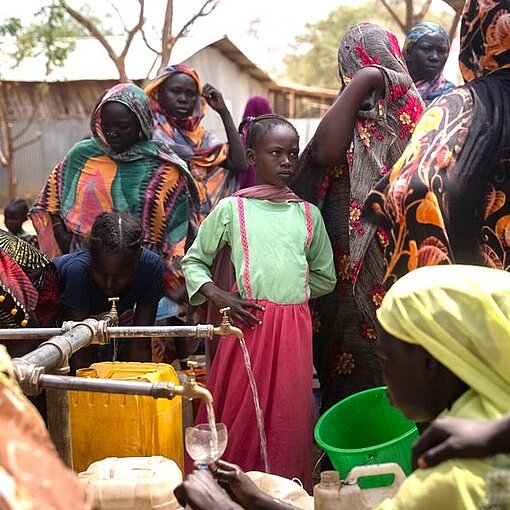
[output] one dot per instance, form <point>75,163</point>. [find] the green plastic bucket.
<point>366,429</point>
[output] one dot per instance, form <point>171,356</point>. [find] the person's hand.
<point>196,315</point>
<point>62,236</point>
<point>238,306</point>
<point>239,484</point>
<point>214,98</point>
<point>201,492</point>
<point>449,438</point>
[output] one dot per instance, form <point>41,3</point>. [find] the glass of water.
<point>206,443</point>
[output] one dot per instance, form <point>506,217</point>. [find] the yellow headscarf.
<point>460,314</point>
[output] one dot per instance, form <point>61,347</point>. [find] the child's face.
<point>14,219</point>
<point>112,272</point>
<point>275,156</point>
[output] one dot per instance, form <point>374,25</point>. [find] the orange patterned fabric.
<point>32,476</point>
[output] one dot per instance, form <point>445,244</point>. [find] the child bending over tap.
<point>282,257</point>
<point>115,265</point>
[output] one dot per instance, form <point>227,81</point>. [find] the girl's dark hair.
<point>255,127</point>
<point>117,232</point>
<point>19,204</point>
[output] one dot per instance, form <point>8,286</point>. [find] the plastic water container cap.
<point>330,477</point>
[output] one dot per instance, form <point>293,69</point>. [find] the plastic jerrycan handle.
<point>374,496</point>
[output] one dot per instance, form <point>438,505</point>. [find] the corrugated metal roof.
<point>90,61</point>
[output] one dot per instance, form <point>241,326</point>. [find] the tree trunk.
<point>7,142</point>
<point>456,5</point>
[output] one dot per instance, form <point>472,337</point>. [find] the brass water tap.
<point>113,315</point>
<point>225,328</point>
<point>191,389</point>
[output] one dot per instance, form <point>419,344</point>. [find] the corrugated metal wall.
<point>34,162</point>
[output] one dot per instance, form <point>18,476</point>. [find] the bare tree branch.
<point>424,9</point>
<point>409,15</point>
<point>114,7</point>
<point>97,34</point>
<point>134,30</point>
<point>169,41</point>
<point>394,15</point>
<point>145,40</point>
<point>166,35</point>
<point>201,13</point>
<point>28,142</point>
<point>454,25</point>
<point>456,5</point>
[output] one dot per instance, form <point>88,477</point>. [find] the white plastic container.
<point>133,483</point>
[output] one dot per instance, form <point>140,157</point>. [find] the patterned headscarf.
<point>428,89</point>
<point>420,30</point>
<point>135,99</point>
<point>484,38</point>
<point>189,124</point>
<point>382,130</point>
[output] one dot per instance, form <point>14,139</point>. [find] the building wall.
<point>236,85</point>
<point>56,134</point>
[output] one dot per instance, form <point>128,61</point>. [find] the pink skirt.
<point>281,356</point>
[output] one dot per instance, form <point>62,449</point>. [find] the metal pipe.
<point>198,331</point>
<point>190,389</point>
<point>29,333</point>
<point>59,423</point>
<point>156,390</point>
<point>57,350</point>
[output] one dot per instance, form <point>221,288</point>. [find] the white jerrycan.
<point>352,497</point>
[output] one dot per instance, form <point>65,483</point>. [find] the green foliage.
<point>53,34</point>
<point>313,61</point>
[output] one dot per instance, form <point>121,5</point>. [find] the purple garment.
<point>255,106</point>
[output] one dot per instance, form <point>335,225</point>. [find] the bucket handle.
<point>376,470</point>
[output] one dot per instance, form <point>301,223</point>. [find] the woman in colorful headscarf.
<point>120,168</point>
<point>178,103</point>
<point>449,329</point>
<point>425,51</point>
<point>358,140</point>
<point>446,199</point>
<point>444,342</point>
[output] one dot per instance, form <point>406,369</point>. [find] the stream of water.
<point>256,402</point>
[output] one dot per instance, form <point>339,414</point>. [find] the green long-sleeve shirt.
<point>282,267</point>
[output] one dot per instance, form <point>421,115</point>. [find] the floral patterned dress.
<point>344,321</point>
<point>446,199</point>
